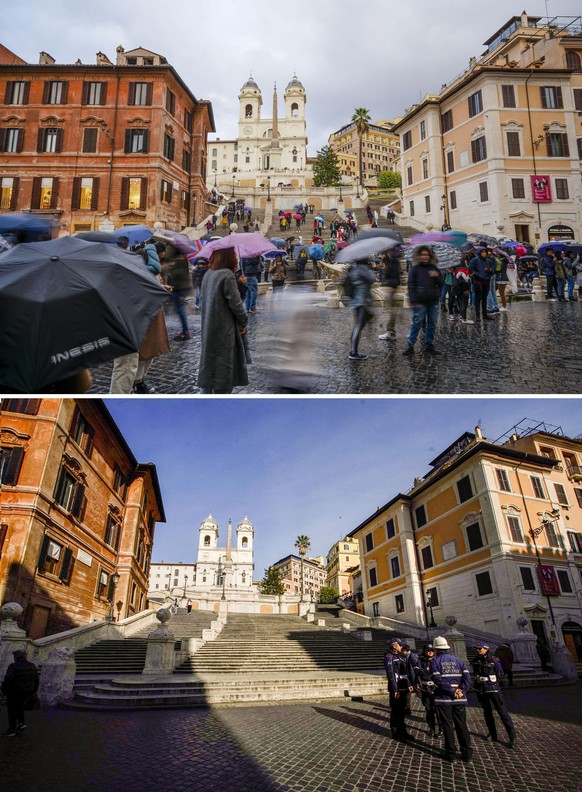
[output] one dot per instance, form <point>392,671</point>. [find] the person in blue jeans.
<point>425,282</point>
<point>251,269</point>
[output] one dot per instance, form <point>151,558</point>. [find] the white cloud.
<point>378,55</point>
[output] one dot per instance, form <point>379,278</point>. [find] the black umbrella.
<point>97,236</point>
<point>67,305</point>
<point>380,232</point>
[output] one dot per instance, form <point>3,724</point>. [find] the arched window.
<point>245,542</point>
<point>206,541</point>
<point>294,110</point>
<point>244,577</point>
<point>249,111</point>
<point>573,60</point>
<point>294,152</point>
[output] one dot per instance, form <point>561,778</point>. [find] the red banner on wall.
<point>548,581</point>
<point>541,189</point>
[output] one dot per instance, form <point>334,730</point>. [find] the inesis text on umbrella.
<point>80,350</point>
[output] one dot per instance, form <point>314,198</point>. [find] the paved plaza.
<point>533,348</point>
<point>309,747</point>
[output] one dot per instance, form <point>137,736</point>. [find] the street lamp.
<point>223,581</point>
<point>214,169</point>
<point>446,225</point>
<point>341,198</point>
<point>114,581</point>
<point>545,518</point>
<point>185,583</point>
<point>429,606</point>
<point>357,186</point>
<point>268,189</point>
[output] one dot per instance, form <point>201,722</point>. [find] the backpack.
<point>347,284</point>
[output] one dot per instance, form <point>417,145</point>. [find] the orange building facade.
<point>499,149</point>
<point>121,143</point>
<point>492,533</point>
<point>77,509</point>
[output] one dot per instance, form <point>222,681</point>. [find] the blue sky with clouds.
<point>380,55</point>
<point>315,466</point>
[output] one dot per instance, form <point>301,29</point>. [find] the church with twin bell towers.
<point>233,562</point>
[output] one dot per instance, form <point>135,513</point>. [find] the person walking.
<point>487,673</point>
<point>452,680</point>
<point>482,268</point>
<point>462,292</point>
<point>425,688</point>
<point>390,278</point>
<point>569,268</point>
<point>361,278</point>
<point>399,686</point>
<point>251,269</point>
<point>189,606</point>
<point>424,287</point>
<point>180,280</point>
<point>223,363</point>
<point>278,275</point>
<point>560,276</point>
<point>548,267</point>
<point>20,682</point>
<point>506,658</point>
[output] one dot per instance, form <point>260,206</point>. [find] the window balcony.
<point>574,472</point>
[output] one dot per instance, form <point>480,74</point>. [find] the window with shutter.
<point>513,147</point>
<point>517,188</point>
<point>90,140</point>
<point>508,95</point>
<point>22,406</point>
<point>10,464</point>
<point>66,570</point>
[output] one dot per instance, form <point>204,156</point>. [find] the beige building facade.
<point>492,533</point>
<point>342,559</point>
<point>314,575</point>
<point>498,150</point>
<point>380,148</point>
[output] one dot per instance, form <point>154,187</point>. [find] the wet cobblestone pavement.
<point>340,746</point>
<point>534,348</point>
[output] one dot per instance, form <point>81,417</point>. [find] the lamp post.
<point>233,180</point>
<point>185,583</point>
<point>341,198</point>
<point>429,606</point>
<point>445,218</point>
<point>268,189</point>
<point>223,581</point>
<point>545,518</point>
<point>214,178</point>
<point>357,186</point>
<point>114,581</point>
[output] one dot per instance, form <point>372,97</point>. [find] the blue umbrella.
<point>316,252</point>
<point>280,243</point>
<point>511,245</point>
<point>30,225</point>
<point>555,246</point>
<point>298,206</point>
<point>297,250</point>
<point>135,233</point>
<point>270,254</point>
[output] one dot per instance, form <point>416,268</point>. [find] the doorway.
<point>522,233</point>
<point>572,632</point>
<point>539,630</point>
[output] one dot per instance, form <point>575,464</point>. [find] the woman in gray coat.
<point>222,358</point>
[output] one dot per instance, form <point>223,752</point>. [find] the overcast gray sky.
<point>377,54</point>
<point>302,465</point>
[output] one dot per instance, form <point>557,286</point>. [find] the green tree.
<point>326,168</point>
<point>389,180</point>
<point>302,543</point>
<point>271,582</point>
<point>362,118</point>
<point>328,595</point>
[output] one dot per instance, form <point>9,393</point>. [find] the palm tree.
<point>362,118</point>
<point>302,543</point>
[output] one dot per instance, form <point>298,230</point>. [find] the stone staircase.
<point>284,644</point>
<point>127,655</point>
<point>258,214</point>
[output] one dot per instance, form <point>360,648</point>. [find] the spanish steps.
<point>255,658</point>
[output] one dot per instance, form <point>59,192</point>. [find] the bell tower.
<point>208,534</point>
<point>250,100</point>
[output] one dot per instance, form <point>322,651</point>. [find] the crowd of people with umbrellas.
<point>70,304</point>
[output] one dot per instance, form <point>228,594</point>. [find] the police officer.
<point>412,668</point>
<point>399,685</point>
<point>487,673</point>
<point>452,680</point>
<point>425,688</point>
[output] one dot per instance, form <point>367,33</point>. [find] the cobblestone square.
<point>534,348</point>
<point>309,747</point>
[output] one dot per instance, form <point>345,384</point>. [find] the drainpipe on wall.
<point>113,143</point>
<point>533,153</point>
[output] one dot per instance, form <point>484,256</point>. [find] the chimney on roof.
<point>478,433</point>
<point>103,60</point>
<point>45,59</point>
<point>120,53</point>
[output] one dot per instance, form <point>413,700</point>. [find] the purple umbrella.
<point>245,245</point>
<point>455,238</point>
<point>180,241</point>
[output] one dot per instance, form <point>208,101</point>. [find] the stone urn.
<point>163,615</point>
<point>10,612</point>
